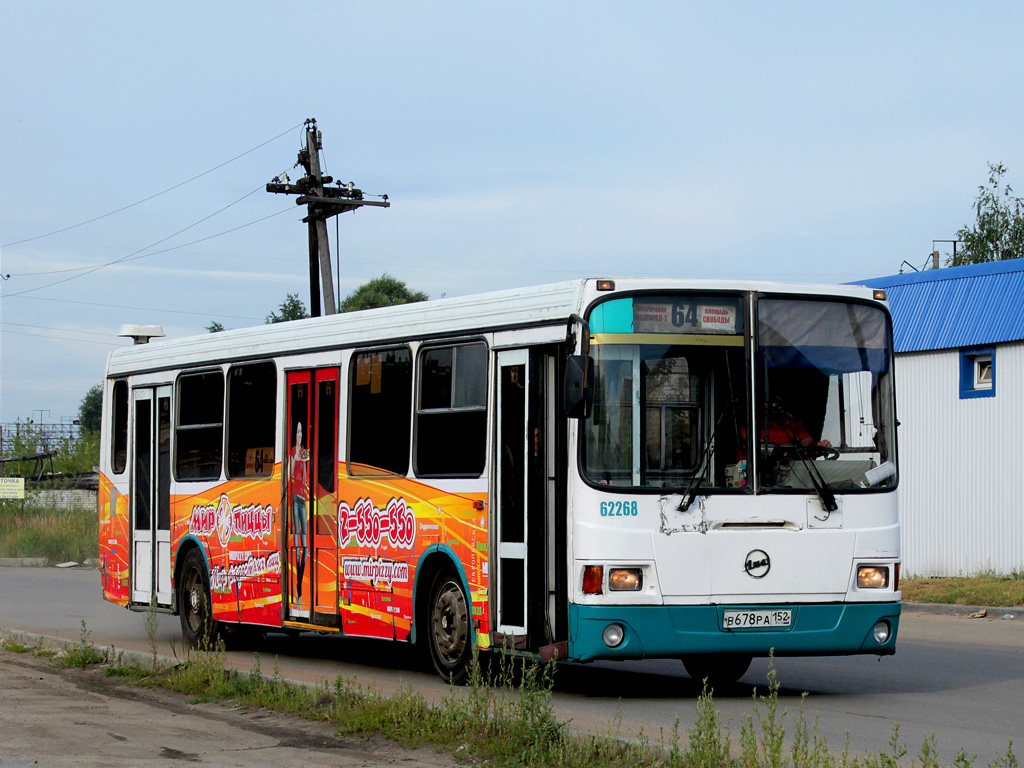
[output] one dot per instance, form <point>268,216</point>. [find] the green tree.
<point>383,291</point>
<point>91,409</point>
<point>214,327</point>
<point>291,308</point>
<point>998,232</point>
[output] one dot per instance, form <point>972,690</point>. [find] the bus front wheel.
<point>449,629</point>
<point>717,668</point>
<point>194,606</point>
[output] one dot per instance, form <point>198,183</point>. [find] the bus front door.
<point>151,496</point>
<point>523,491</point>
<point>527,543</point>
<point>311,546</point>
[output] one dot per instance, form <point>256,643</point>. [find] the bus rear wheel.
<point>194,603</point>
<point>717,668</point>
<point>449,628</point>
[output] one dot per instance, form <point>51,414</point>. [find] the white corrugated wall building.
<point>959,337</point>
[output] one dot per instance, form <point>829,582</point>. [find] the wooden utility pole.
<point>317,224</point>
<point>321,203</point>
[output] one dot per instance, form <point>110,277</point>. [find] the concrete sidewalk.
<point>949,609</point>
<point>74,718</point>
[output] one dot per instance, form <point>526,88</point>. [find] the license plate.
<point>780,617</point>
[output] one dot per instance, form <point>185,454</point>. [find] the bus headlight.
<point>873,577</point>
<point>626,580</point>
<point>881,632</point>
<point>613,635</point>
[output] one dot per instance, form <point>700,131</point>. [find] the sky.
<point>518,143</point>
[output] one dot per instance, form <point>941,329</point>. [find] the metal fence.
<point>32,436</point>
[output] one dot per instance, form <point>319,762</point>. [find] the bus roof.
<point>533,306</point>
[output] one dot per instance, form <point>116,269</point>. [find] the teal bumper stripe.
<point>670,631</point>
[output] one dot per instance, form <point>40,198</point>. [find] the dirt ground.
<point>59,717</point>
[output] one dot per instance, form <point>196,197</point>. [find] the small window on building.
<point>977,373</point>
<point>451,418</point>
<point>380,412</point>
<point>119,427</point>
<point>983,372</point>
<point>252,419</point>
<point>200,430</point>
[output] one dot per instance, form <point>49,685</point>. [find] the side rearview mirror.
<point>579,390</point>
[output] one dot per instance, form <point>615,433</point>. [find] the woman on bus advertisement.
<point>298,473</point>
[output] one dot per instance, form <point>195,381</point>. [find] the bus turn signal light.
<point>873,577</point>
<point>593,579</point>
<point>625,580</point>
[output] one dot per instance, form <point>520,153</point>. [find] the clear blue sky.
<point>520,143</point>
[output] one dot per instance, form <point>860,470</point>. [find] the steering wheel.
<point>796,452</point>
<point>826,452</point>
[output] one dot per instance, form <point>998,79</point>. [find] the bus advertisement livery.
<point>599,469</point>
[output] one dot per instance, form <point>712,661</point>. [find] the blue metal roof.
<point>956,307</point>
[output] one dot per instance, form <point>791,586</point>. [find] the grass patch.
<point>32,529</point>
<point>36,530</point>
<point>14,646</point>
<point>504,718</point>
<point>129,672</point>
<point>966,590</point>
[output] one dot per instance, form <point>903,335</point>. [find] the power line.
<point>133,254</point>
<point>150,197</point>
<point>139,255</point>
<point>113,248</point>
<point>48,328</point>
<point>63,338</point>
<point>477,269</point>
<point>133,257</point>
<point>107,305</point>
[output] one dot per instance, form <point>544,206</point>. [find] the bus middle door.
<point>312,476</point>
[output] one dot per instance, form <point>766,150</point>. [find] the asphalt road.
<point>962,679</point>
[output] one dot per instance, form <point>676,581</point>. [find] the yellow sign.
<point>12,487</point>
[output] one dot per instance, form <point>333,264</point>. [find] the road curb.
<point>114,654</point>
<point>991,612</point>
<point>41,562</point>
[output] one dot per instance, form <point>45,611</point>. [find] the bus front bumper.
<point>671,631</point>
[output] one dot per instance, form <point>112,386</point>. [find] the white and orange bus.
<point>598,469</point>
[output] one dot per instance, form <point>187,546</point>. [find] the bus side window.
<point>452,402</point>
<point>380,410</point>
<point>252,416</point>
<point>119,428</point>
<point>200,429</point>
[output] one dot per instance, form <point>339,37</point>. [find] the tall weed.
<point>82,653</point>
<point>29,529</point>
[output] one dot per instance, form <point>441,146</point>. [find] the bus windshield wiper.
<point>825,493</point>
<point>693,487</point>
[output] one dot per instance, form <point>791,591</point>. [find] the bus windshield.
<point>669,393</point>
<point>826,412</point>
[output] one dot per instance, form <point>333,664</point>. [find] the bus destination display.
<point>684,315</point>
